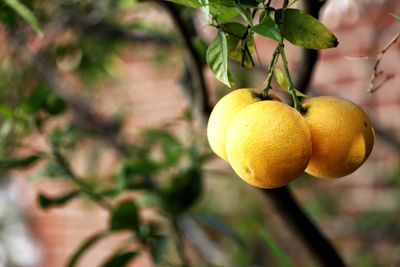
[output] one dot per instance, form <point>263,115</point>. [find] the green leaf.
<point>280,255</point>
<point>217,58</point>
<point>249,3</point>
<point>124,216</point>
<point>281,79</point>
<point>269,29</point>
<point>245,13</point>
<point>283,82</point>
<point>120,259</point>
<point>183,190</point>
<point>395,16</point>
<point>85,246</point>
<point>25,13</point>
<point>42,98</point>
<point>170,145</point>
<point>23,162</point>
<point>52,169</point>
<point>298,93</point>
<point>157,248</point>
<point>54,105</point>
<point>224,3</point>
<point>189,3</point>
<point>46,201</point>
<point>240,43</point>
<point>304,30</point>
<point>6,112</point>
<point>220,12</point>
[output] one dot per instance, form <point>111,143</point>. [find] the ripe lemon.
<point>268,144</point>
<point>222,114</point>
<point>342,136</point>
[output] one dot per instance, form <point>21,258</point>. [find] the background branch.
<point>112,31</point>
<point>186,28</point>
<point>373,85</point>
<point>303,227</point>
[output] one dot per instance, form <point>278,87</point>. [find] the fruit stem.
<point>270,73</point>
<point>296,101</point>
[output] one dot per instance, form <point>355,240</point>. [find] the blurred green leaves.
<point>183,190</point>
<point>46,202</point>
<point>124,216</point>
<point>43,99</point>
<point>86,245</point>
<point>119,259</point>
<point>23,11</point>
<point>18,163</point>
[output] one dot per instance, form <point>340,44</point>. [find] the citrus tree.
<point>267,142</point>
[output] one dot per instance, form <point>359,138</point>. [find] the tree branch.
<point>188,32</point>
<point>112,31</point>
<point>373,85</point>
<point>303,227</point>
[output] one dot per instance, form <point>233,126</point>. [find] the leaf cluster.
<point>235,40</point>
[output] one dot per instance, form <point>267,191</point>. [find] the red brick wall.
<point>151,94</point>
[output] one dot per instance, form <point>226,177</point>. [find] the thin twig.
<point>375,70</point>
<point>270,73</point>
<point>86,188</point>
<point>296,102</point>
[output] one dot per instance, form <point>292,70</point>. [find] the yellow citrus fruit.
<point>222,114</point>
<point>342,136</point>
<point>268,144</point>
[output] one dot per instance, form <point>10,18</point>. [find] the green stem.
<point>296,101</point>
<point>79,182</point>
<point>271,67</point>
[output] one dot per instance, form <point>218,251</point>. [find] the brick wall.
<point>150,94</point>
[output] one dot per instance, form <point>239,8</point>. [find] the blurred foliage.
<point>84,41</point>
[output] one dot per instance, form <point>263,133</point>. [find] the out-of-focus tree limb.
<point>112,31</point>
<point>188,32</point>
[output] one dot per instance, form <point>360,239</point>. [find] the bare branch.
<point>376,73</point>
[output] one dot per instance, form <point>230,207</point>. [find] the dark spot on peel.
<point>365,124</point>
<point>249,171</point>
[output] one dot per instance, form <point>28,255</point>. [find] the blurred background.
<point>98,75</point>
